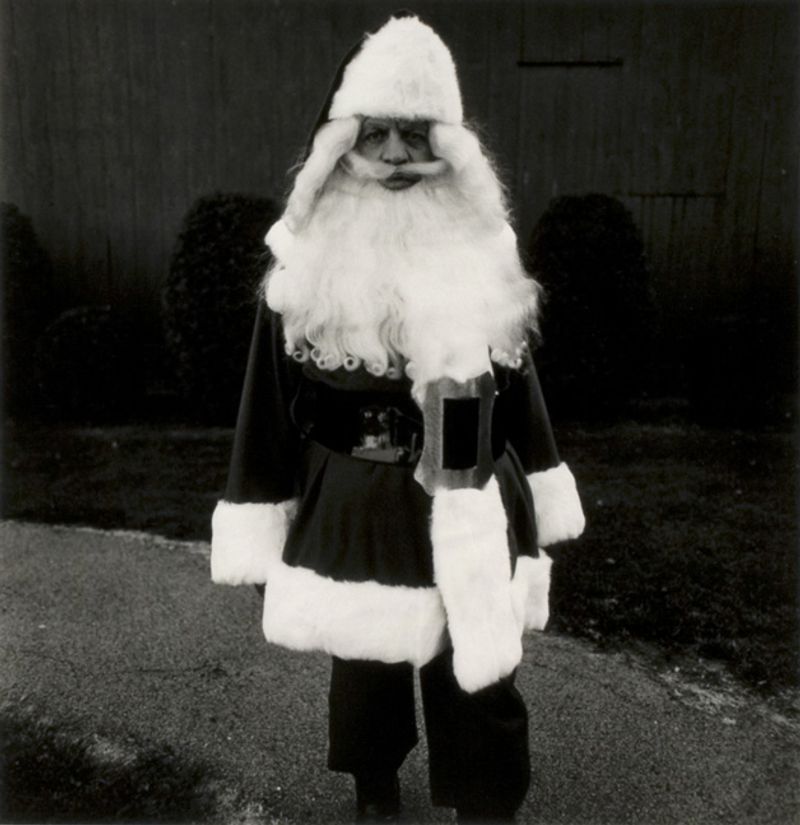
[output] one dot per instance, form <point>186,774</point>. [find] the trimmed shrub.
<point>210,298</point>
<point>596,325</point>
<point>27,304</point>
<point>89,366</point>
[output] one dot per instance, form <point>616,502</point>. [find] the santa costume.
<point>394,477</point>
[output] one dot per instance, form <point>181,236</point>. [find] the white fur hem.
<point>559,515</point>
<point>473,572</point>
<point>353,620</point>
<point>366,620</point>
<point>531,591</point>
<point>247,540</point>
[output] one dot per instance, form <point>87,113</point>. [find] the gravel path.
<point>122,635</point>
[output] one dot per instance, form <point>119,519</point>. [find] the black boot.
<point>377,797</point>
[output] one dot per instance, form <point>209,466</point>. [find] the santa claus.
<point>394,477</point>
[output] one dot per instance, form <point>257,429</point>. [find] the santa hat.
<point>403,70</point>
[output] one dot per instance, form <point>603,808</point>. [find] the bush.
<point>27,304</point>
<point>598,316</point>
<point>90,367</point>
<point>210,297</point>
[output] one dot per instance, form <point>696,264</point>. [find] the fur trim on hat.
<point>404,70</point>
<point>473,572</point>
<point>559,515</point>
<point>247,540</point>
<point>354,620</point>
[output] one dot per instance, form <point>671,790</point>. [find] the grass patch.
<point>160,479</point>
<point>690,545</point>
<point>50,773</point>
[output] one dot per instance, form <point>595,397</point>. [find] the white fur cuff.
<point>247,540</point>
<point>559,515</point>
<point>532,591</point>
<point>472,570</point>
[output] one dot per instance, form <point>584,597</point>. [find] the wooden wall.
<point>687,113</point>
<point>118,114</point>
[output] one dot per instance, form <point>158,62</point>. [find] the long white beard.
<point>427,275</point>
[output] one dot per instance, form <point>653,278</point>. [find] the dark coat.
<point>351,549</point>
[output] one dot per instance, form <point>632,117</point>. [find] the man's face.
<point>396,142</point>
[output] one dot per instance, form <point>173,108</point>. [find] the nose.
<point>395,150</point>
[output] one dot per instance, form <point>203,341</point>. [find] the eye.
<point>373,136</point>
<point>415,138</point>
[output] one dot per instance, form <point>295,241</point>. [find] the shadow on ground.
<point>50,773</point>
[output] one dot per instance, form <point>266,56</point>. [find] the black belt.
<point>382,434</point>
<point>375,432</point>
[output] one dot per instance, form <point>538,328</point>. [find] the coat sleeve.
<point>557,505</point>
<point>250,524</point>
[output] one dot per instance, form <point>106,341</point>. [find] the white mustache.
<point>364,169</point>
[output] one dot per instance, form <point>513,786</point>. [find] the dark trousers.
<point>477,742</point>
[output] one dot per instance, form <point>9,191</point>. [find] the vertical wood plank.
<point>173,167</point>
<point>552,32</point>
<point>55,48</point>
<point>26,20</point>
<point>680,133</point>
<point>776,242</point>
<point>302,81</point>
<point>12,180</point>
<point>224,34</point>
<point>571,116</point>
<point>112,47</point>
<point>203,109</point>
<point>251,84</point>
<point>144,273</point>
<point>748,133</point>
<point>500,95</point>
<point>571,141</point>
<point>243,39</point>
<point>90,160</point>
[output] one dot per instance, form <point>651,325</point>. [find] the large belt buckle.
<point>377,437</point>
<point>457,451</point>
<point>383,455</point>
